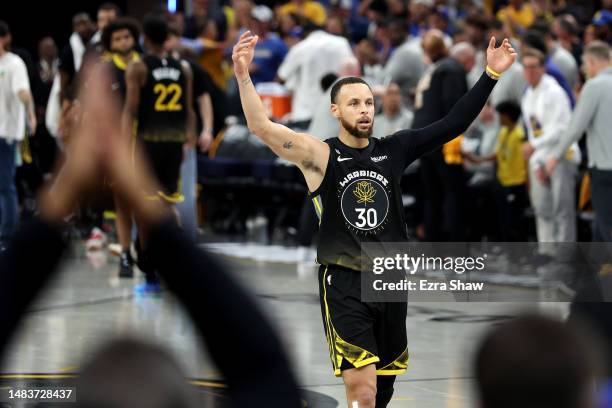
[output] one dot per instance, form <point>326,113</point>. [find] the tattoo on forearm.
<point>288,145</point>
<point>246,81</point>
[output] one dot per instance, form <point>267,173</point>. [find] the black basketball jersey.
<point>162,113</point>
<point>117,71</point>
<point>359,200</point>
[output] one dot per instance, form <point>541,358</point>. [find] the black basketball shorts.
<point>361,333</point>
<point>164,160</point>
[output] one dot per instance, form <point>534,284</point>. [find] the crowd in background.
<point>419,57</point>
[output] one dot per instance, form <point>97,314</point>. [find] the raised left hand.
<point>501,58</point>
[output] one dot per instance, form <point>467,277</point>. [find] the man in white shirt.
<point>546,112</point>
<point>15,102</point>
<point>318,54</point>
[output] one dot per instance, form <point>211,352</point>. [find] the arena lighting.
<point>172,6</point>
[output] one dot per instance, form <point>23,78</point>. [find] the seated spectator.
<point>511,191</point>
<point>394,114</point>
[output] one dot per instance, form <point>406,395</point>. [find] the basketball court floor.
<point>87,303</point>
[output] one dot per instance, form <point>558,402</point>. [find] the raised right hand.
<point>242,54</point>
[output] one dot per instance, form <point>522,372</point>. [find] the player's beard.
<point>354,131</point>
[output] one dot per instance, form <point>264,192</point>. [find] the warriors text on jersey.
<point>359,200</point>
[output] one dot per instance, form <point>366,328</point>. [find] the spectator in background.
<point>511,186</point>
<point>442,171</point>
<point>511,85</point>
<point>107,13</point>
<point>270,50</point>
<point>335,26</point>
<point>208,51</point>
<point>602,22</point>
<point>242,17</point>
<point>71,56</point>
<point>476,28</point>
<point>16,108</point>
<point>367,57</point>
<point>307,9</point>
<point>405,67</point>
<point>518,15</point>
<point>565,29</point>
<point>558,55</point>
<point>480,139</point>
<point>323,124</point>
<point>290,29</point>
<point>394,116</point>
<point>533,39</point>
<point>202,12</point>
<point>318,54</point>
<point>533,361</point>
<point>592,115</point>
<point>418,12</point>
<point>439,19</point>
<point>47,62</point>
<point>546,113</point>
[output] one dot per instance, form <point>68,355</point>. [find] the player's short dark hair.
<point>533,361</point>
<point>345,81</point>
<point>155,28</point>
<point>4,29</point>
<point>124,23</point>
<point>110,7</point>
<point>510,109</point>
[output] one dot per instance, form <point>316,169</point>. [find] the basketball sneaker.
<point>126,263</point>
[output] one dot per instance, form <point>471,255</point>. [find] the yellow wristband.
<point>492,72</point>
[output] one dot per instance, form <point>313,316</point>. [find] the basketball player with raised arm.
<point>367,341</point>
